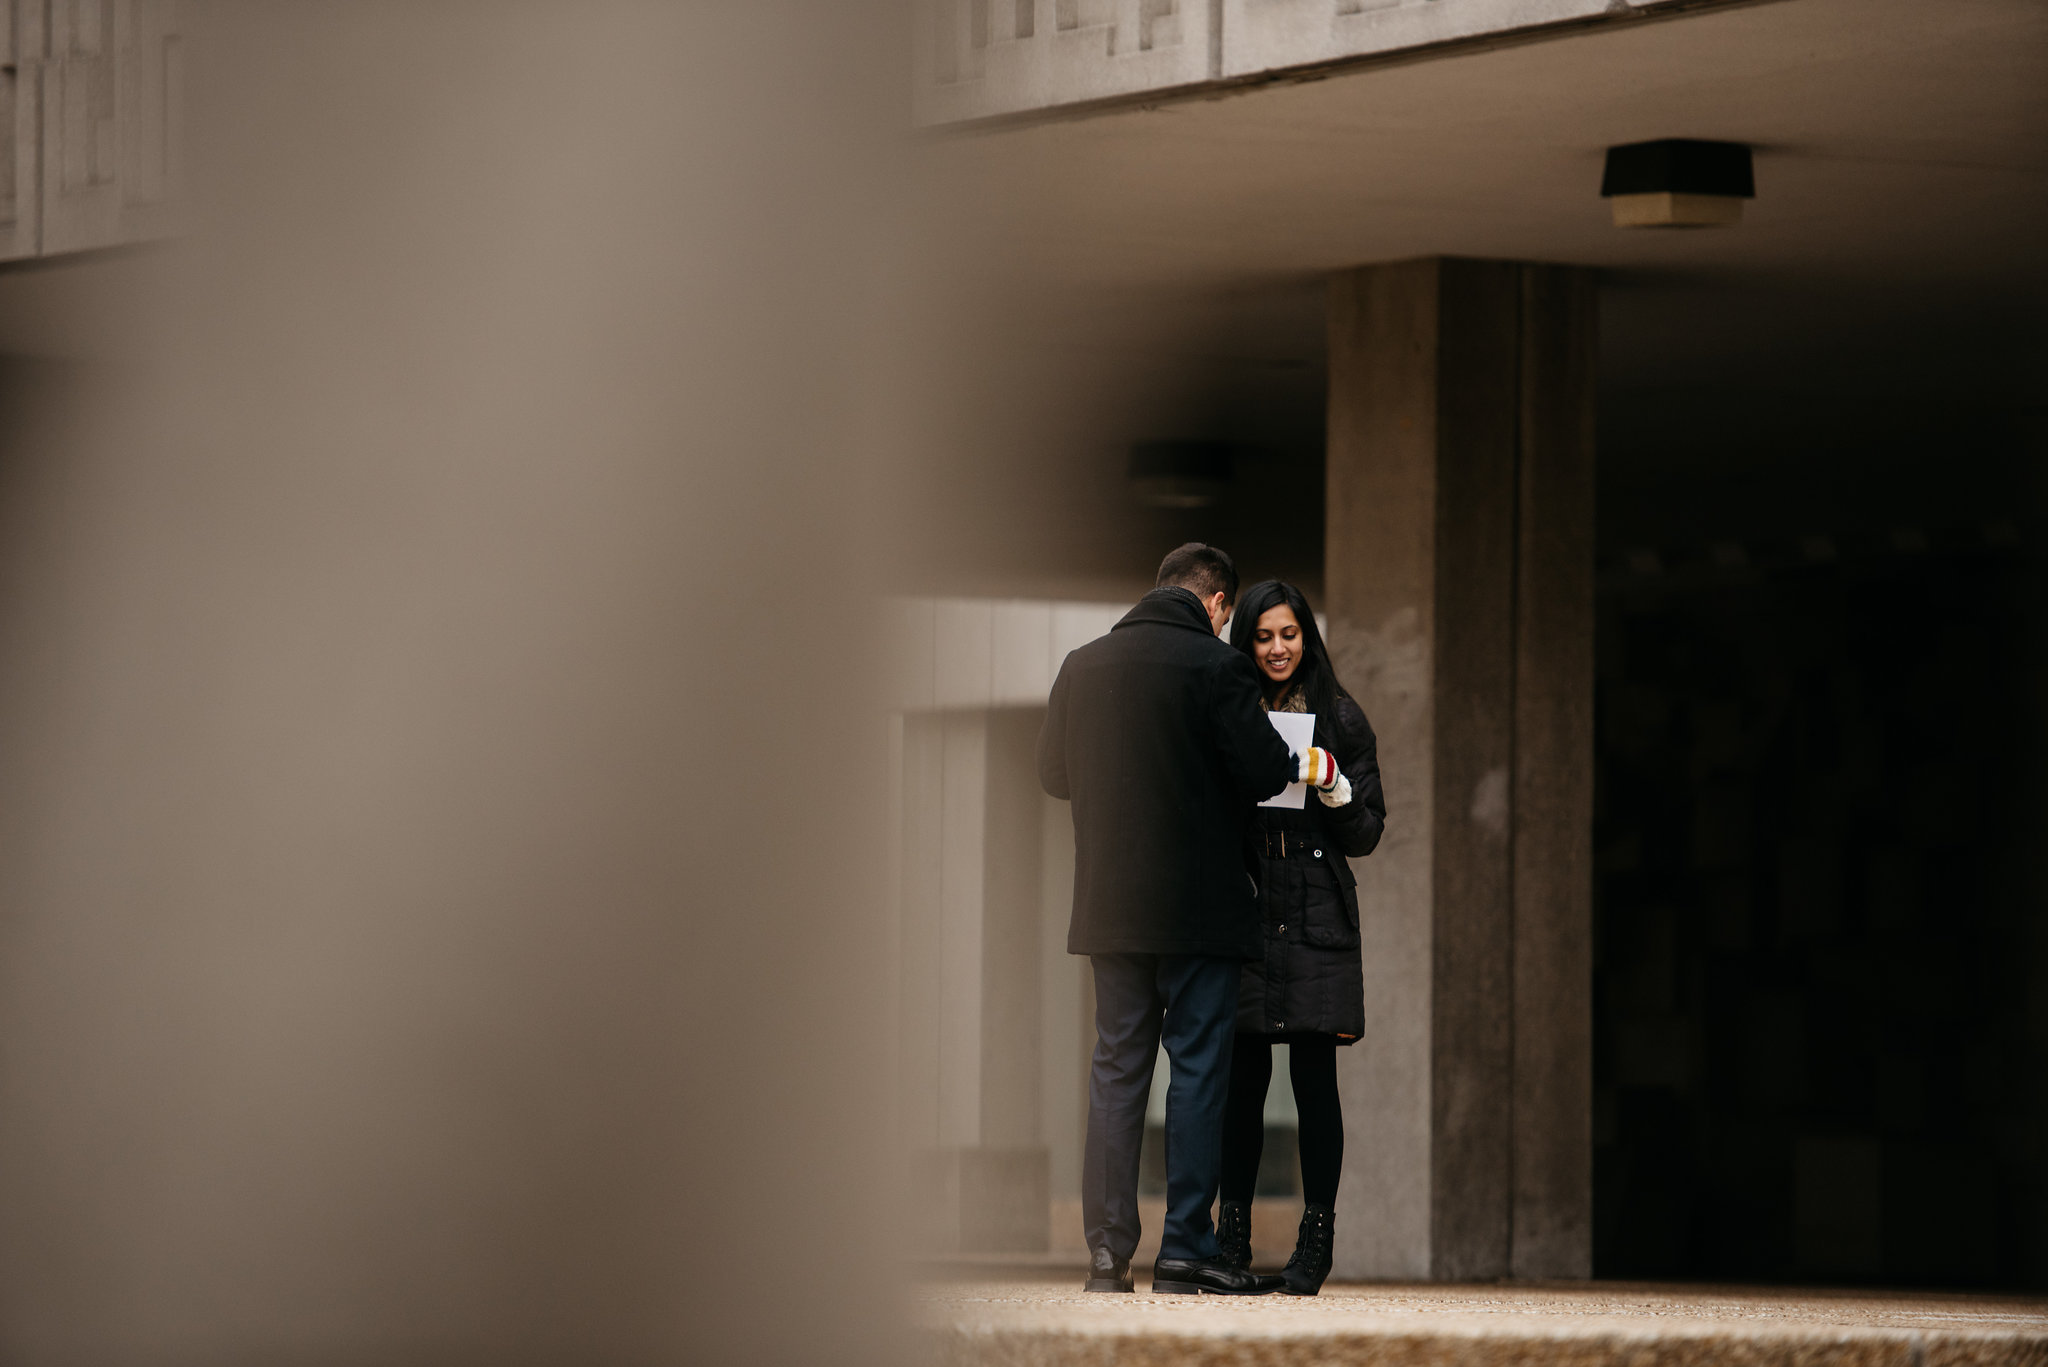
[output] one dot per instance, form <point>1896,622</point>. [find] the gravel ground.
<point>1000,1323</point>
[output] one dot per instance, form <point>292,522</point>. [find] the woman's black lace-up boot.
<point>1234,1233</point>
<point>1311,1261</point>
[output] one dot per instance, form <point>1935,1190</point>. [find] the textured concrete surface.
<point>1458,569</point>
<point>1052,1324</point>
<point>1551,787</point>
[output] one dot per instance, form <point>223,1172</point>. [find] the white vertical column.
<point>1068,1037</point>
<point>961,822</point>
<point>1011,1042</point>
<point>919,873</point>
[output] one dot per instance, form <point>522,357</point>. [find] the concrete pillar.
<point>1459,585</point>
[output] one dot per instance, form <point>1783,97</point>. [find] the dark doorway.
<point>1821,982</point>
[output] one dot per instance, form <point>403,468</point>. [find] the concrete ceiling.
<point>1881,308</point>
<point>1878,313</point>
<point>1901,142</point>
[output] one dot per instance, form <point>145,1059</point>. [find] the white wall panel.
<point>950,653</point>
<point>1022,662</point>
<point>963,639</point>
<point>1076,624</point>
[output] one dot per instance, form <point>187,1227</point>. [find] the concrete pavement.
<point>1048,1323</point>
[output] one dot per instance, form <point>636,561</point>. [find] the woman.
<point>1308,992</point>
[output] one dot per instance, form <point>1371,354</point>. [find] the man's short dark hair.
<point>1201,570</point>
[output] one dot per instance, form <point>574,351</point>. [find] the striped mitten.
<point>1318,769</point>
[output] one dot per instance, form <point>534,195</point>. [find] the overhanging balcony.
<point>987,59</point>
<point>91,126</point>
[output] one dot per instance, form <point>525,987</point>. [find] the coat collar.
<point>1172,607</point>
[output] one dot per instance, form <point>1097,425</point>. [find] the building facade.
<point>1610,529</point>
<point>1693,582</point>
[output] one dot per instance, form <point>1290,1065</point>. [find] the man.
<point>1155,734</point>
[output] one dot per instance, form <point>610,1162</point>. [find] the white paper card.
<point>1298,729</point>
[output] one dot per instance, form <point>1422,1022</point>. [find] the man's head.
<point>1205,572</point>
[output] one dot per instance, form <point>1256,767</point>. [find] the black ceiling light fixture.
<point>1180,474</point>
<point>1678,183</point>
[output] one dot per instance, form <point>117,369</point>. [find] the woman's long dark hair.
<point>1315,675</point>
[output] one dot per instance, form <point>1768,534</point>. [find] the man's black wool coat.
<point>1155,734</point>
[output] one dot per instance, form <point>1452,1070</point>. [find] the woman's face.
<point>1276,643</point>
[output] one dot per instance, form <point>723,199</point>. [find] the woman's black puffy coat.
<point>1310,980</point>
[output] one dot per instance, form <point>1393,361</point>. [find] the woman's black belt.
<point>1291,844</point>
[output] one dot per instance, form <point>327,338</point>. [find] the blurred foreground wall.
<point>438,914</point>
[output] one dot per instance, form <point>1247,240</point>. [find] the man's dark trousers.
<point>1189,1003</point>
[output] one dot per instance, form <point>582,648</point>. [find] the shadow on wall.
<point>423,934</point>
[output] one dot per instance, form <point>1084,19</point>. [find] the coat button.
<point>1319,854</point>
<point>1283,928</point>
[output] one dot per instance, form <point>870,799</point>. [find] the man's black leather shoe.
<point>1194,1276</point>
<point>1107,1272</point>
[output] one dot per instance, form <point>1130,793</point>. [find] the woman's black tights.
<point>1312,1067</point>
